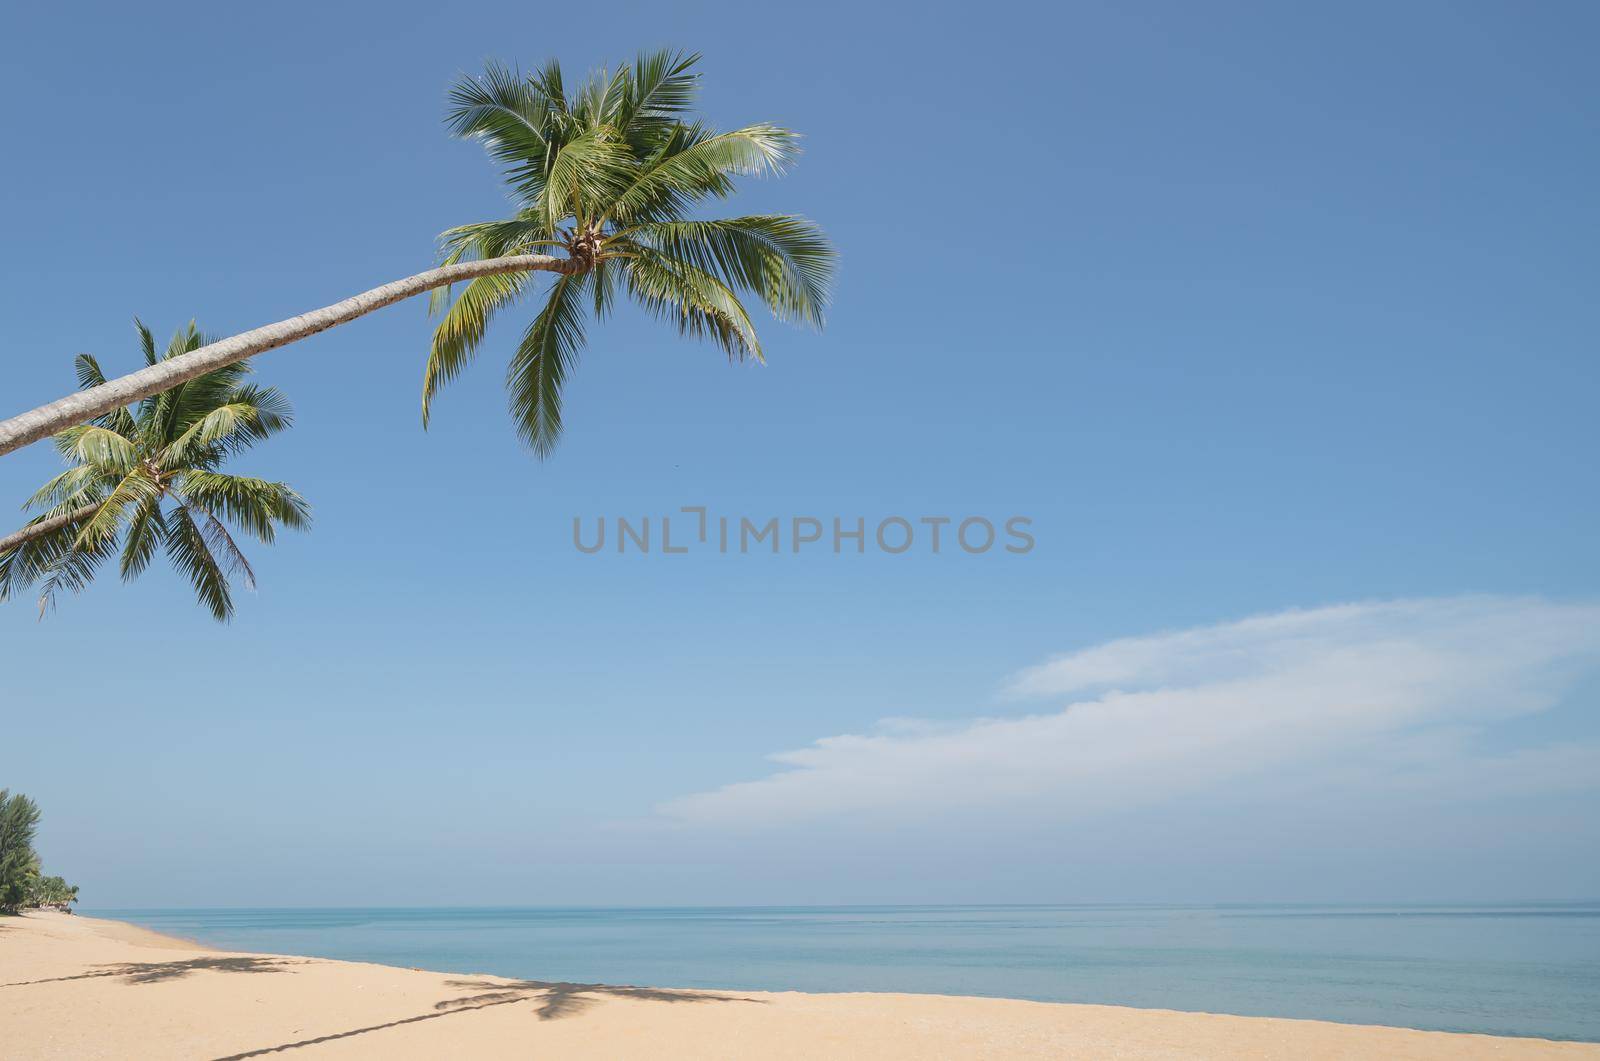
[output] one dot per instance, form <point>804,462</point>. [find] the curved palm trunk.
<point>45,526</point>
<point>83,406</point>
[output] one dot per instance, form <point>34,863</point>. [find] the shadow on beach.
<point>553,1001</point>
<point>557,1000</point>
<point>160,972</point>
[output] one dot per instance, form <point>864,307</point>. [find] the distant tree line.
<point>22,884</point>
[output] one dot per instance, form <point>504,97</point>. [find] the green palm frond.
<point>523,234</point>
<point>136,488</point>
<point>586,171</point>
<point>603,281</point>
<point>25,564</point>
<point>216,428</point>
<point>540,366</point>
<point>223,547</point>
<point>698,303</point>
<point>515,118</point>
<point>147,342</point>
<point>98,447</point>
<point>784,260</point>
<point>661,88</point>
<point>189,553</point>
<point>600,97</point>
<point>456,339</point>
<point>71,569</point>
<point>255,505</point>
<point>76,486</point>
<point>88,371</point>
<point>272,414</point>
<point>147,529</point>
<point>702,169</point>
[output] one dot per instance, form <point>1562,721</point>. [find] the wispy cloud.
<point>1400,696</point>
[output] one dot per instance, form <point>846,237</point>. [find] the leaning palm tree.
<point>149,476</point>
<point>605,180</point>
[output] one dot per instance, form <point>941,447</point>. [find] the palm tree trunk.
<point>45,526</point>
<point>83,406</point>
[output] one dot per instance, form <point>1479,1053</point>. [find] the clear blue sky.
<point>1250,307</point>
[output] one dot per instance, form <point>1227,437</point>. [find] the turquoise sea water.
<point>1507,970</point>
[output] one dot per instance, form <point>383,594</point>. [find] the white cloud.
<point>1400,696</point>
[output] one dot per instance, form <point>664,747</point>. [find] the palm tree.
<point>149,476</point>
<point>606,176</point>
<point>53,891</point>
<point>609,174</point>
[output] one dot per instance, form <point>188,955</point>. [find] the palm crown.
<point>149,475</point>
<point>610,174</point>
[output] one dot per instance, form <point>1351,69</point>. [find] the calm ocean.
<point>1508,970</point>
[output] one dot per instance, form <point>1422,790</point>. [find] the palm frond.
<point>661,89</point>
<point>78,485</point>
<point>603,280</point>
<point>216,428</point>
<point>273,414</point>
<point>591,168</point>
<point>189,553</point>
<point>137,487</point>
<point>243,416</point>
<point>87,369</point>
<point>783,259</point>
<point>99,447</point>
<point>72,569</point>
<point>540,366</point>
<point>255,505</point>
<point>548,81</point>
<point>147,342</point>
<point>700,305</point>
<point>512,117</point>
<point>222,545</point>
<point>23,565</point>
<point>522,234</point>
<point>147,529</point>
<point>461,330</point>
<point>702,169</point>
<point>601,98</point>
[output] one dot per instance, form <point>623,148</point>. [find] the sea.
<point>1528,969</point>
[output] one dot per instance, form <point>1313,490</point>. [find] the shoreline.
<point>79,986</point>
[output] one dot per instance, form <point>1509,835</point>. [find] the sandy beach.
<point>79,987</point>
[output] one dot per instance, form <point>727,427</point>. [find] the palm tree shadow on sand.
<point>553,1001</point>
<point>568,1000</point>
<point>159,972</point>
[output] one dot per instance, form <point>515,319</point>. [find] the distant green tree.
<point>53,891</point>
<point>19,866</point>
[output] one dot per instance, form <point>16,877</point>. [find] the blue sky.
<point>1249,309</point>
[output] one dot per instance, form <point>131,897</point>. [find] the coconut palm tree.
<point>149,476</point>
<point>605,179</point>
<point>609,175</point>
